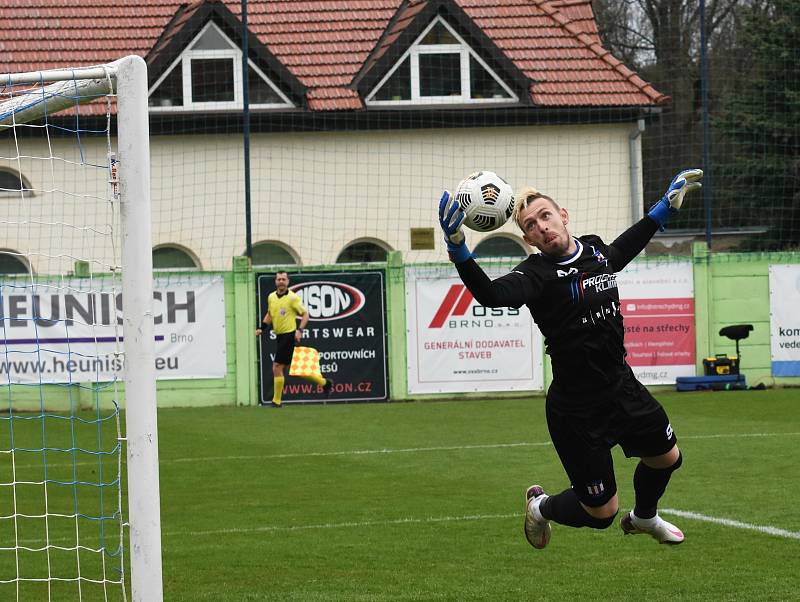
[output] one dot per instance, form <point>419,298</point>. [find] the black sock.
<point>565,509</point>
<point>650,484</point>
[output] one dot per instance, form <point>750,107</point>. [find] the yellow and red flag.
<point>305,363</point>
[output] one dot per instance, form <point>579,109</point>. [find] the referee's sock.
<point>565,509</point>
<point>277,389</point>
<point>649,485</point>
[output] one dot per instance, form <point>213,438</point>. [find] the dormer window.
<point>208,76</point>
<point>440,68</point>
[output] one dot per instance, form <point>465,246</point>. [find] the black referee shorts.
<point>284,348</point>
<point>630,418</point>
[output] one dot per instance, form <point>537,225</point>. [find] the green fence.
<point>728,290</point>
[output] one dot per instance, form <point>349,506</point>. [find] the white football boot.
<point>657,528</point>
<point>537,532</point>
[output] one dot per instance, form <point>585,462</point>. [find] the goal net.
<point>75,241</point>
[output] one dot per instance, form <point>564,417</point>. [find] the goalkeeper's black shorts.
<point>284,348</point>
<point>632,419</point>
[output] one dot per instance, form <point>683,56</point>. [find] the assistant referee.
<point>284,306</point>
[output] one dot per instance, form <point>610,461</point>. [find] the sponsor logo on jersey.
<point>569,272</point>
<point>327,301</point>
<point>582,283</point>
<point>600,282</point>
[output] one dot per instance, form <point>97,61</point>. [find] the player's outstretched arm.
<point>670,203</point>
<point>631,242</point>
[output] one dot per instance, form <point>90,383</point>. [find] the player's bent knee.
<point>665,461</point>
<point>672,467</point>
<point>678,462</point>
<point>599,515</point>
<point>600,523</point>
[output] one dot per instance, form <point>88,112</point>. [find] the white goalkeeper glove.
<point>450,218</point>
<point>670,203</point>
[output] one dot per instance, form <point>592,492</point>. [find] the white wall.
<point>68,217</point>
<point>317,192</point>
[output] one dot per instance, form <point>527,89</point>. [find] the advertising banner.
<point>70,330</point>
<point>657,302</point>
<point>784,319</point>
<point>347,325</point>
<point>457,345</point>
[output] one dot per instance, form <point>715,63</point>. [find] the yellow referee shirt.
<point>284,311</point>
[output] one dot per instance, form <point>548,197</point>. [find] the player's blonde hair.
<point>525,197</point>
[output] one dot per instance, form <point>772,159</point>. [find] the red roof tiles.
<point>324,45</point>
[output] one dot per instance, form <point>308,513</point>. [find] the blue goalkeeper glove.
<point>670,203</point>
<point>450,218</point>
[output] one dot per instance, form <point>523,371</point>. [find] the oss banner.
<point>71,330</point>
<point>347,325</point>
<point>457,345</point>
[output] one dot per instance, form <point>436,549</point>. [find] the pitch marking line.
<point>742,435</point>
<point>476,517</point>
<point>473,517</point>
<point>733,523</point>
<point>364,452</point>
<point>348,525</point>
<point>407,450</point>
<point>359,452</point>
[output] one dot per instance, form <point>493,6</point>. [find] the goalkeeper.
<point>594,402</point>
<point>283,308</point>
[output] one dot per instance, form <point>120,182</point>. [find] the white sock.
<point>537,515</point>
<point>644,523</point>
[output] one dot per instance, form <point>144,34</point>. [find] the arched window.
<point>12,264</point>
<point>362,252</point>
<point>173,257</point>
<point>500,246</point>
<point>273,253</point>
<point>13,185</point>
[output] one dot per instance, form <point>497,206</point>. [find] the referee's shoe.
<point>537,531</point>
<point>656,527</point>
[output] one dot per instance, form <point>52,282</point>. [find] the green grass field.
<point>423,501</point>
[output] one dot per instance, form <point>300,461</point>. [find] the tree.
<point>661,40</point>
<point>759,184</point>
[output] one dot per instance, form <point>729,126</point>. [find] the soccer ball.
<point>486,199</point>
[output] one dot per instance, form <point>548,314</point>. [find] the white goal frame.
<point>129,76</point>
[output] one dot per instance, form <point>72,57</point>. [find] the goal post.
<point>137,286</point>
<point>32,102</point>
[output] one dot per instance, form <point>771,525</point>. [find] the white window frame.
<point>234,53</point>
<point>463,50</point>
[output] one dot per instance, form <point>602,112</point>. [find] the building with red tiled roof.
<point>325,45</point>
<point>370,99</point>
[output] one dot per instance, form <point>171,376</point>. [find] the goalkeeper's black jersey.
<point>575,303</point>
